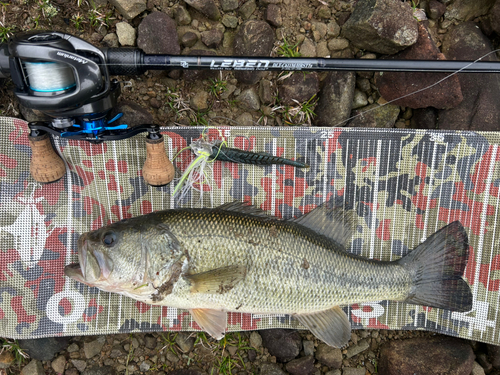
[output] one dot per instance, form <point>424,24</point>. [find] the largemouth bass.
<point>237,258</point>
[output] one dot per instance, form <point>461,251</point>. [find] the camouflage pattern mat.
<point>403,184</point>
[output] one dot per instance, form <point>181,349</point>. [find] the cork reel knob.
<point>158,170</point>
<point>46,165</point>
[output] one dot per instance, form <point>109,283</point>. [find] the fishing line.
<point>49,76</point>
<point>417,91</point>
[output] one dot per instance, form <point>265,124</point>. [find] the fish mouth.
<point>74,271</point>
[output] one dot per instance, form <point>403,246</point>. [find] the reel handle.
<point>158,170</point>
<point>46,165</point>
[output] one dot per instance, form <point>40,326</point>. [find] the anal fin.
<point>214,322</point>
<point>331,326</point>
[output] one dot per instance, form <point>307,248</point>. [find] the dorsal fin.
<point>242,207</point>
<point>330,221</point>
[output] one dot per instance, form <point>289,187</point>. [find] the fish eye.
<point>109,239</point>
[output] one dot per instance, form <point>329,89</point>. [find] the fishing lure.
<point>223,153</point>
<point>207,152</point>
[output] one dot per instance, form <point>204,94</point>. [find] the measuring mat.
<point>404,185</point>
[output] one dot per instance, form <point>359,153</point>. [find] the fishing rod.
<point>69,80</point>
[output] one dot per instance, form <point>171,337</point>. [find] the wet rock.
<point>393,85</point>
<point>273,15</point>
<point>338,44</point>
<point>96,370</point>
<point>94,347</point>
<point>353,371</point>
<point>255,340</point>
<point>322,49</point>
<point>125,33</point>
<point>185,341</point>
<point>308,347</point>
<point>191,371</point>
<point>249,99</point>
<point>6,359</point>
<point>359,100</point>
<point>494,17</point>
<point>44,349</point>
<point>324,12</point>
<point>71,371</point>
<point>494,355</point>
<point>479,109</point>
<point>375,116</point>
<point>465,10</point>
<point>199,102</point>
<point>157,34</point>
<point>284,344</point>
<point>129,8</point>
<point>199,75</point>
<point>424,118</point>
<point>189,39</point>
<point>329,356</point>
<point>230,21</point>
<point>245,119</point>
<point>435,9</point>
<point>271,369</point>
<point>73,347</point>
<point>133,114</point>
<point>33,368</point>
<point>212,38</point>
<point>308,48</point>
<point>299,87</point>
<point>80,364</point>
<point>301,366</point>
<point>483,360</point>
<point>253,38</point>
<point>228,5</point>
<point>182,16</point>
<point>361,346</point>
<point>335,99</point>
<point>206,7</point>
<point>110,40</point>
<point>332,29</point>
<point>58,364</point>
<point>477,369</point>
<point>426,356</point>
<point>383,26</point>
<point>247,9</point>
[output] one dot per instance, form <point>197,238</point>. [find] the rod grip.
<point>158,170</point>
<point>46,165</point>
<point>124,61</point>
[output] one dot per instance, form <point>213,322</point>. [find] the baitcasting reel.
<point>68,79</point>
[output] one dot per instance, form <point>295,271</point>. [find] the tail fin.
<point>436,267</point>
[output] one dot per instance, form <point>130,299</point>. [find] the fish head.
<point>130,257</point>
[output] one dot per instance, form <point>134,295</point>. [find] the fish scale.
<point>236,258</point>
<point>276,278</point>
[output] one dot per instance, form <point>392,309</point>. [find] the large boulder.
<point>382,26</point>
<point>426,356</point>
<point>479,109</point>
<point>253,38</point>
<point>394,85</point>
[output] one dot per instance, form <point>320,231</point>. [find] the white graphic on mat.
<point>29,231</point>
<point>477,317</point>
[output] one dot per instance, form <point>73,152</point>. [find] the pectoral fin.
<point>332,326</point>
<point>219,280</point>
<point>214,322</point>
